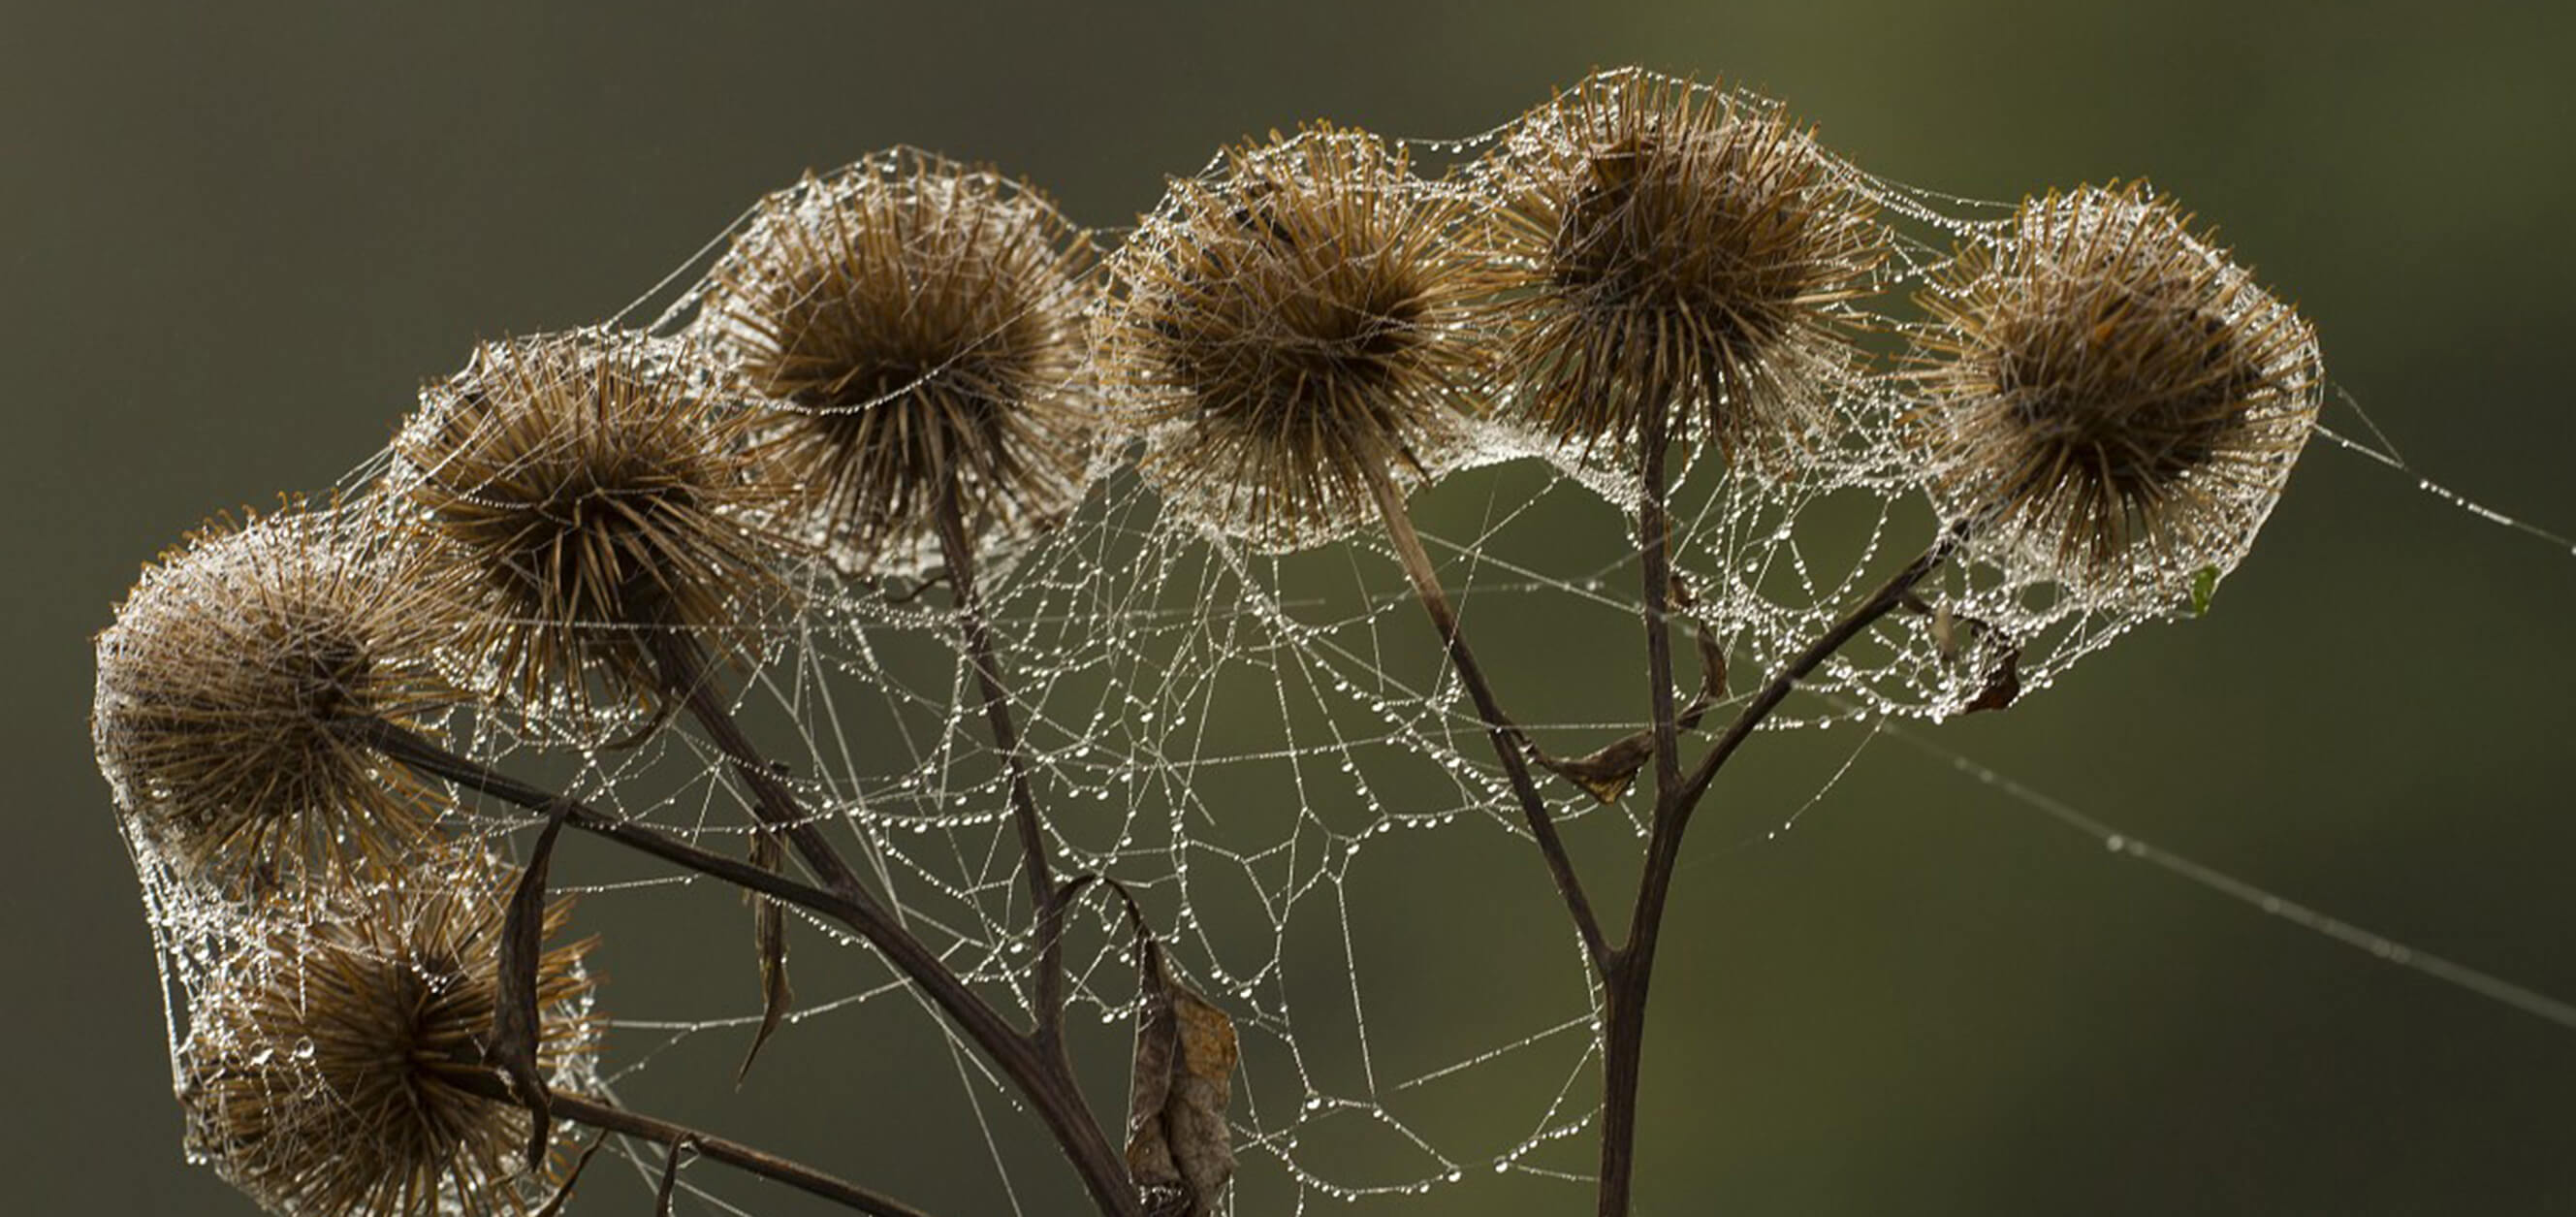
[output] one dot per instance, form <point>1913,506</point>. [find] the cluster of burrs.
<point>911,362</point>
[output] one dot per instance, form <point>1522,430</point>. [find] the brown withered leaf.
<point>515,1032</point>
<point>1953,634</point>
<point>1607,774</point>
<point>769,935</point>
<point>2003,685</point>
<point>670,1178</point>
<point>1712,661</point>
<point>1712,679</point>
<point>1178,1152</point>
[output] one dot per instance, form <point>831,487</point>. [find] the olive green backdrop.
<point>238,236</point>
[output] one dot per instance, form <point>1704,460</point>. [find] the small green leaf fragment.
<point>2204,584</point>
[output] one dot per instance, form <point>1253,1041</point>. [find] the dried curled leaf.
<point>1177,1149</point>
<point>663,1191</point>
<point>515,1028</point>
<point>1607,773</point>
<point>1956,635</point>
<point>769,934</point>
<point>2003,684</point>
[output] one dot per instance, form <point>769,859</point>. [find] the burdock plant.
<point>912,365</point>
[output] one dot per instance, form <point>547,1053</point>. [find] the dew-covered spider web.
<point>1271,754</point>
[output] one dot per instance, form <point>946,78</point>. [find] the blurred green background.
<point>240,236</point>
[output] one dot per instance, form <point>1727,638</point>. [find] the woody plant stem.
<point>1044,897</point>
<point>1037,1059</point>
<point>1034,1060</point>
<point>1630,969</point>
<point>1510,746</point>
<point>612,1118</point>
<point>1626,971</point>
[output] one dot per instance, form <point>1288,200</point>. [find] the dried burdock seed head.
<point>1291,327</point>
<point>598,488</point>
<point>1678,250</point>
<point>2110,393</point>
<point>322,1066</point>
<point>230,682</point>
<point>918,326</point>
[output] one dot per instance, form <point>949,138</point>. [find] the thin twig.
<point>907,953</point>
<point>1510,746</point>
<point>612,1118</point>
<point>1625,990</point>
<point>1654,551</point>
<point>1626,977</point>
<point>1040,1077</point>
<point>426,756</point>
<point>959,554</point>
<point>686,676</point>
<point>1887,597</point>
